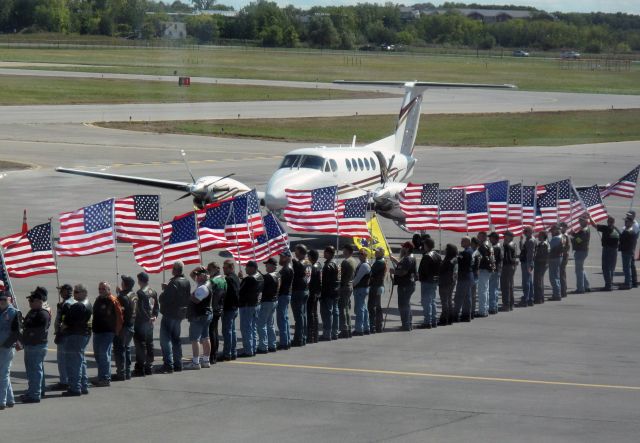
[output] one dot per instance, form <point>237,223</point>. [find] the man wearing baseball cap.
<point>34,338</point>
<point>248,300</point>
<point>9,331</point>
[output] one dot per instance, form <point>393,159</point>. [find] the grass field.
<point>310,65</point>
<point>25,90</point>
<point>526,129</point>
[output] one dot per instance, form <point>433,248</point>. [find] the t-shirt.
<point>202,292</point>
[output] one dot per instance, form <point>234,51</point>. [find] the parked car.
<point>570,55</point>
<point>520,53</point>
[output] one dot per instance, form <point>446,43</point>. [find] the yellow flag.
<point>377,239</point>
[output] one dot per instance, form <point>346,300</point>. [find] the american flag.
<point>477,214</point>
<point>87,231</point>
<point>625,187</point>
<point>4,278</point>
<point>269,244</point>
<point>312,211</point>
<point>547,208</point>
<point>137,218</point>
<point>514,214</point>
<point>528,205</point>
<point>453,215</point>
<point>180,242</point>
<point>576,210</point>
<point>419,203</point>
<point>211,222</point>
<point>592,200</point>
<point>563,189</point>
<point>478,187</point>
<point>352,216</point>
<point>28,254</point>
<point>497,196</point>
<point>245,221</point>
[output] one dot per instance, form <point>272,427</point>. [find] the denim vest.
<point>6,320</point>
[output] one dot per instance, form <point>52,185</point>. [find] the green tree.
<point>203,5</point>
<point>203,27</point>
<point>322,33</point>
<point>272,36</point>
<point>290,37</point>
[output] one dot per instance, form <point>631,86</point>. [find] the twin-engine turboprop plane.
<point>380,168</point>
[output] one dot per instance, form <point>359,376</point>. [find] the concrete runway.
<point>559,372</point>
<point>437,101</point>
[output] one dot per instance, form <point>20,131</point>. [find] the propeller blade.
<point>221,178</point>
<point>184,159</point>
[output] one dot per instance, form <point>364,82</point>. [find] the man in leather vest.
<point>509,264</point>
<point>360,291</point>
<point>218,291</point>
<point>122,342</point>
<point>428,272</point>
<point>143,328</point>
<point>329,296</point>
<point>315,287</point>
<point>376,289</point>
<point>347,270</point>
<point>173,307</point>
<point>199,315</point>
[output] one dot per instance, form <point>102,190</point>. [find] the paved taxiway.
<point>436,101</point>
<point>559,372</point>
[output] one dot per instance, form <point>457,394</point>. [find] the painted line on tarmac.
<point>446,376</point>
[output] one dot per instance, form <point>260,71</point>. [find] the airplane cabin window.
<point>355,164</point>
<point>346,160</point>
<point>289,161</point>
<point>360,164</point>
<point>312,162</point>
<point>334,165</point>
<point>373,164</point>
<point>366,163</point>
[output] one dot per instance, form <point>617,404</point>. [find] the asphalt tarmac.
<point>558,372</point>
<point>436,101</point>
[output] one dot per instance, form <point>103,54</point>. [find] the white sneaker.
<point>191,365</point>
<point>205,364</point>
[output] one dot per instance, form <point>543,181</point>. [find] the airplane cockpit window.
<point>348,163</point>
<point>312,162</point>
<point>373,164</point>
<point>360,164</point>
<point>366,163</point>
<point>326,167</point>
<point>334,165</point>
<point>290,161</point>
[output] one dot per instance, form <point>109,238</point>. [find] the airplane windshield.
<point>303,161</point>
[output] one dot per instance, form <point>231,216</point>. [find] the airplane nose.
<point>275,197</point>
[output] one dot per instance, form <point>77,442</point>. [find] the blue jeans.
<point>299,309</point>
<point>248,317</point>
<point>494,291</point>
<point>34,364</point>
<point>102,344</point>
<point>229,333</point>
<point>122,351</point>
<point>60,357</point>
<point>199,328</point>
<point>6,391</point>
<point>404,304</point>
<point>627,264</point>
<point>170,342</point>
<point>483,291</point>
<point>527,284</point>
<point>282,316</point>
<point>360,308</point>
<point>554,277</point>
<point>266,329</point>
<point>462,298</point>
<point>428,299</point>
<point>582,283</point>
<point>76,364</point>
<point>330,318</point>
<point>609,260</point>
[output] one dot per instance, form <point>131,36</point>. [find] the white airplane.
<point>380,168</point>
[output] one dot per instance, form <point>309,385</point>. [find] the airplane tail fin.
<point>404,137</point>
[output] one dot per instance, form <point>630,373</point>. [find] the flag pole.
<point>55,258</point>
<point>7,284</point>
<point>195,222</point>
<point>161,233</point>
<point>115,237</point>
<point>633,198</point>
<point>235,230</point>
<point>439,227</point>
<point>486,198</point>
<point>335,212</point>
<point>466,216</point>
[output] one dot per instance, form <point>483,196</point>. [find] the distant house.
<point>408,13</point>
<point>174,30</point>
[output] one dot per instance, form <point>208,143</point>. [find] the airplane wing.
<point>166,184</point>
